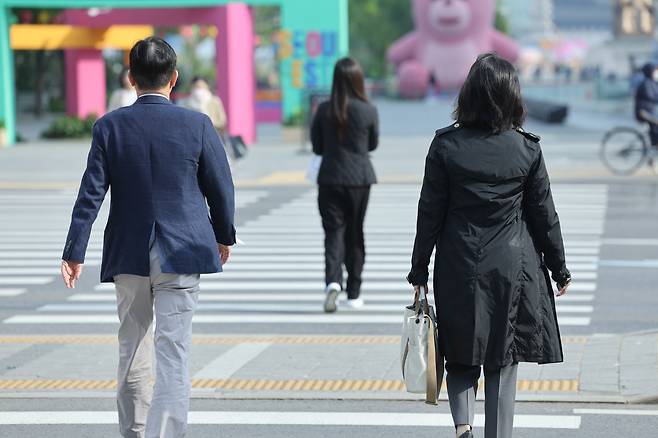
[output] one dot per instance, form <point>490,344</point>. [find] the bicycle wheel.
<point>624,150</point>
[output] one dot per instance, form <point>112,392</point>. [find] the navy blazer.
<point>165,166</point>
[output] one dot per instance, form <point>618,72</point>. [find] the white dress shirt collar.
<point>153,94</point>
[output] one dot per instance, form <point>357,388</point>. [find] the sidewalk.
<point>610,369</point>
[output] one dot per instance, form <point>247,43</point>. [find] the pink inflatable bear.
<point>449,36</point>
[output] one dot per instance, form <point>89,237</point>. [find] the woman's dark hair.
<point>122,77</point>
<point>348,83</point>
<point>196,79</point>
<point>152,63</point>
<point>490,99</point>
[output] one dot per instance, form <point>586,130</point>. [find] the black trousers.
<point>343,211</point>
<point>653,134</point>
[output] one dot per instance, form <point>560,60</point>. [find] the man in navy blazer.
<point>171,219</point>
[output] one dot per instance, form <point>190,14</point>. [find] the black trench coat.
<point>486,206</point>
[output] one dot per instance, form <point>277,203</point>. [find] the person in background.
<point>123,96</point>
<point>344,132</point>
<point>646,101</point>
<point>486,206</point>
<point>204,101</point>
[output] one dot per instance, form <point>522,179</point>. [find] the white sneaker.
<point>356,303</point>
<point>331,301</point>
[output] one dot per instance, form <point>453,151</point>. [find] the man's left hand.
<point>71,272</point>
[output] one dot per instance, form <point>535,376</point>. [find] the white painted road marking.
<point>35,281</point>
<point>285,308</point>
<point>262,297</point>
<point>631,412</point>
<point>298,418</point>
<point>11,292</point>
<point>231,361</point>
<point>252,318</point>
<point>647,264</point>
<point>319,286</point>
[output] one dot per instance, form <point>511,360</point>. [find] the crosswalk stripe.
<point>281,263</point>
<point>309,247</point>
<point>4,292</point>
<point>247,272</point>
<point>47,262</point>
<point>615,412</point>
<point>382,253</point>
<point>40,254</point>
<point>282,418</point>
<point>394,262</point>
<point>251,318</point>
<point>630,242</point>
<point>287,308</point>
<point>403,299</point>
<point>256,238</point>
<point>30,271</point>
<point>312,285</point>
<point>385,218</point>
<point>288,270</point>
<point>265,256</point>
<point>292,230</point>
<point>33,246</point>
<point>35,281</point>
<point>231,273</point>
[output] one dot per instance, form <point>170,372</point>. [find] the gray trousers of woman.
<point>499,397</point>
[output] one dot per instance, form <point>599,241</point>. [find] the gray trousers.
<point>499,397</point>
<point>144,411</point>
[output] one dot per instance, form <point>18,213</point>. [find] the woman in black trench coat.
<point>486,206</point>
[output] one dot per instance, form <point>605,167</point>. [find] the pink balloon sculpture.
<point>449,36</point>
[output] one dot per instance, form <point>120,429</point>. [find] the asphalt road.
<point>273,287</point>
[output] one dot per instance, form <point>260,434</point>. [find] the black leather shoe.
<point>468,434</point>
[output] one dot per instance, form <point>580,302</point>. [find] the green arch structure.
<point>301,21</point>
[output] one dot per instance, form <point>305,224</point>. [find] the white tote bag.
<point>314,168</point>
<point>422,364</point>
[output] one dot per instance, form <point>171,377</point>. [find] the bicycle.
<point>624,150</point>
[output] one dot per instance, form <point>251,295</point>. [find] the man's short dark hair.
<point>152,63</point>
<point>490,99</point>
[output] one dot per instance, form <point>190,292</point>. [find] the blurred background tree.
<point>374,25</point>
<point>502,21</point>
<point>37,73</point>
<point>267,21</point>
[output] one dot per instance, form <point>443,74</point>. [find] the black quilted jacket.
<point>346,161</point>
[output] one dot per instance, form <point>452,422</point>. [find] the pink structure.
<point>235,58</point>
<point>82,68</point>
<point>448,38</point>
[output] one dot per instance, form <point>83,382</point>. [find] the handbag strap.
<point>418,300</point>
<point>431,394</point>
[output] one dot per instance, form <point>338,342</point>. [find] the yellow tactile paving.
<point>18,185</point>
<point>232,340</point>
<point>293,177</point>
<point>270,385</point>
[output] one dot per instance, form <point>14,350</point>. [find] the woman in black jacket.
<point>486,206</point>
<point>344,132</point>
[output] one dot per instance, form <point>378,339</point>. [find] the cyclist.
<point>646,101</point>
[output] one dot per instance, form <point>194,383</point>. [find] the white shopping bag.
<point>314,168</point>
<point>422,364</point>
